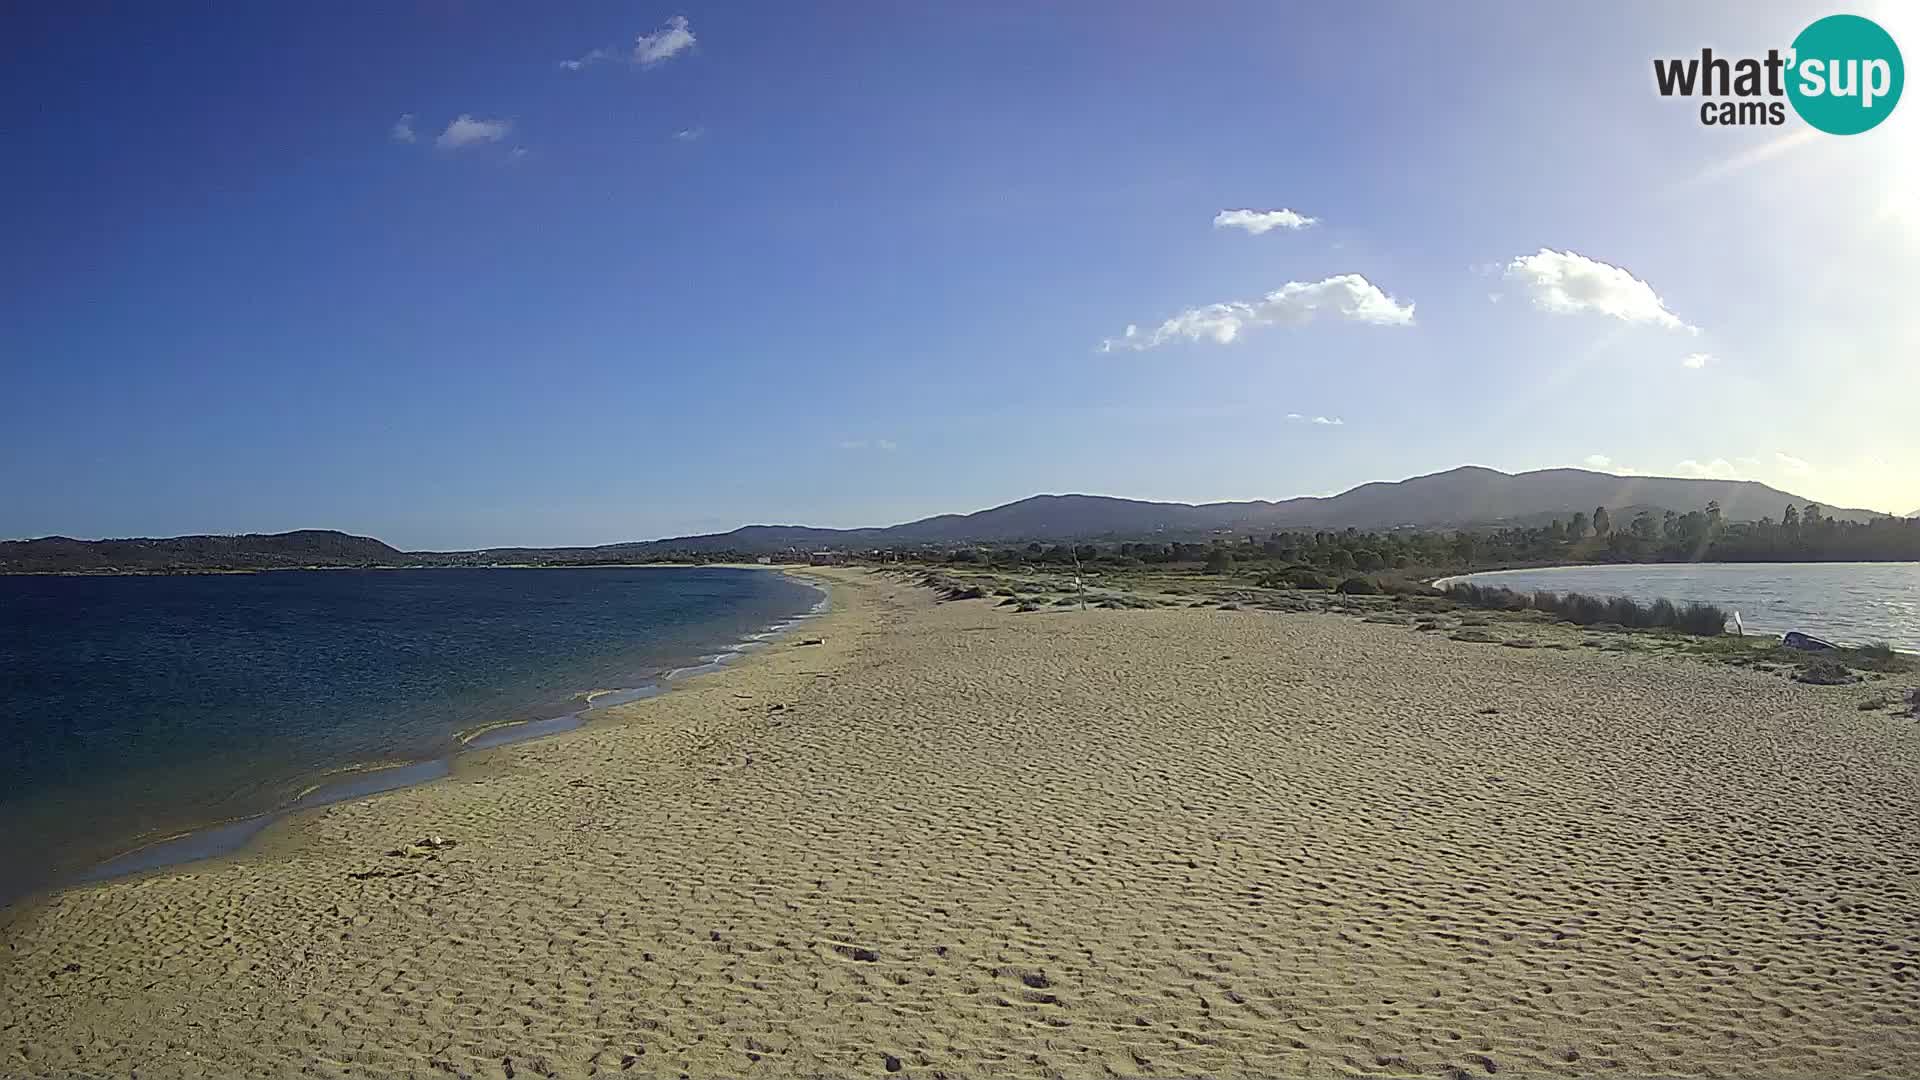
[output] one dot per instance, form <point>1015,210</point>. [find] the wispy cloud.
<point>1348,297</point>
<point>1323,421</point>
<point>402,130</point>
<point>1696,360</point>
<point>1766,468</point>
<point>674,37</point>
<point>1261,221</point>
<point>1746,159</point>
<point>591,58</point>
<point>466,131</point>
<point>1566,283</point>
<point>1329,421</point>
<point>691,134</point>
<point>663,44</point>
<point>868,444</point>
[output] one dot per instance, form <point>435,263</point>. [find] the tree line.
<point>1801,534</point>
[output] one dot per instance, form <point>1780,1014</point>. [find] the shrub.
<point>1825,672</point>
<point>1702,619</point>
<point>1294,577</point>
<point>1879,656</point>
<point>1359,586</point>
<point>1705,620</point>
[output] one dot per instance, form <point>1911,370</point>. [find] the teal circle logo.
<point>1846,74</point>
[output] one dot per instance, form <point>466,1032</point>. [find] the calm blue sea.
<point>1851,603</point>
<point>134,708</point>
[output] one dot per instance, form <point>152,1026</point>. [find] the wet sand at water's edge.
<point>954,841</point>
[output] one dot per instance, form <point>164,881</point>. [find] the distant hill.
<point>253,551</point>
<point>1467,496</point>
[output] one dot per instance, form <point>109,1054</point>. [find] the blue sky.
<point>856,264</point>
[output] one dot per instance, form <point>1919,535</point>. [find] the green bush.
<point>1825,672</point>
<point>1705,620</point>
<point>1294,577</point>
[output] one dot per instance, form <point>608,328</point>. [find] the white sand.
<point>963,842</point>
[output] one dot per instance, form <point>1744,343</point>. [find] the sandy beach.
<point>950,840</point>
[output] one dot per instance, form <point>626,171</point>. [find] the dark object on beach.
<point>1824,672</point>
<point>809,641</point>
<point>1358,586</point>
<point>1806,642</point>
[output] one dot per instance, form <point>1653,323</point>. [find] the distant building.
<point>765,560</point>
<point>824,558</point>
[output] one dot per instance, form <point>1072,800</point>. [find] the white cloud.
<point>517,153</point>
<point>402,129</point>
<point>1567,284</point>
<point>1696,360</point>
<point>1261,221</point>
<point>868,444</point>
<point>689,134</point>
<point>1295,416</point>
<point>465,131</point>
<point>1605,464</point>
<point>1791,465</point>
<point>1332,421</point>
<point>1870,482</point>
<point>1346,296</point>
<point>1717,469</point>
<point>1772,468</point>
<point>672,39</point>
<point>588,60</point>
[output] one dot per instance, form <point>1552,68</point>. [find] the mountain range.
<point>1469,496</point>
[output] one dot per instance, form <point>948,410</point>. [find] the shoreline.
<point>956,839</point>
<point>1854,625</point>
<point>233,837</point>
<point>215,571</point>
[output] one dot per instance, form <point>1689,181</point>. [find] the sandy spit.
<point>954,841</point>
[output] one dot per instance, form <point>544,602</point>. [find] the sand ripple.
<point>952,841</point>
